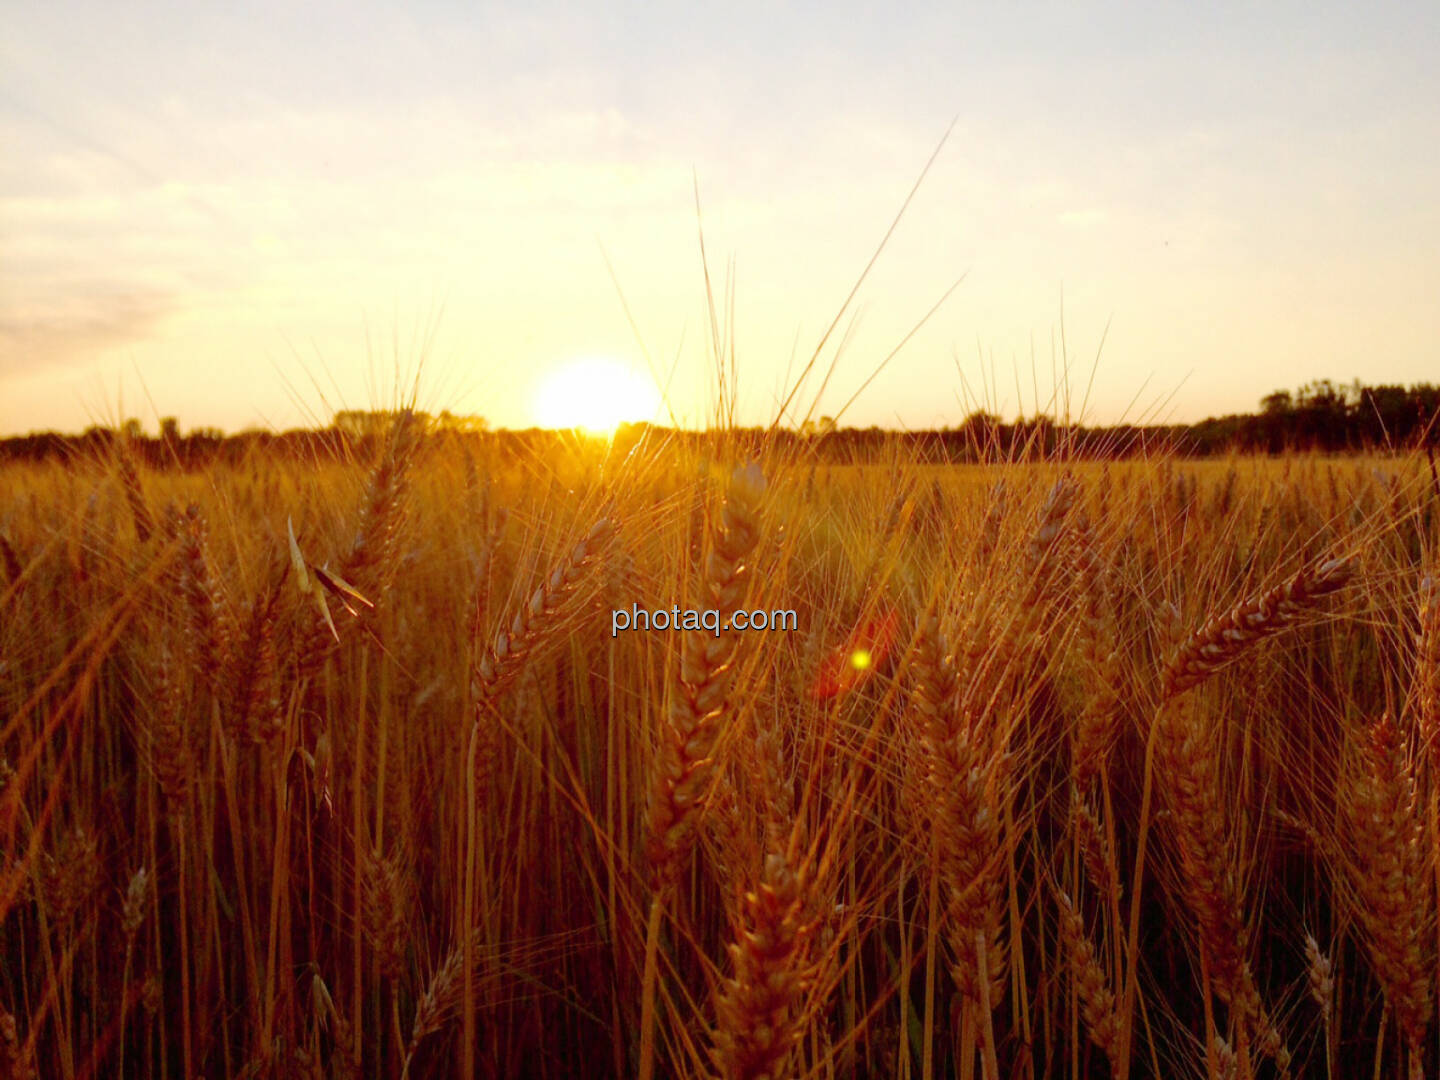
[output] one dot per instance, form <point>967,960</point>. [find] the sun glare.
<point>596,394</point>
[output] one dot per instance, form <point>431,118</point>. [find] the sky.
<point>251,215</point>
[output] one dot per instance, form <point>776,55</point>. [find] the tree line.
<point>1320,416</point>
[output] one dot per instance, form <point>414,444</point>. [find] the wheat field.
<point>1066,768</point>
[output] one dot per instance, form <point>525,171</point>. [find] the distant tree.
<point>1384,414</point>
<point>379,422</point>
<point>1280,403</point>
<point>463,422</point>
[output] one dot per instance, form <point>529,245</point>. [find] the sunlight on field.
<point>294,737</point>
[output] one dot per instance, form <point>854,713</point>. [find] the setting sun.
<point>596,394</point>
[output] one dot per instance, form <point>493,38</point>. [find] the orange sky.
<point>255,216</point>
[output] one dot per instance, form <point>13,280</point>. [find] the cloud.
<point>76,327</point>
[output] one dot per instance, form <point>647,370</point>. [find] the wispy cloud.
<point>71,328</point>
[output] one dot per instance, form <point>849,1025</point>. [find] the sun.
<point>596,394</point>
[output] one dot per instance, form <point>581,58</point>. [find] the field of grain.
<point>1068,769</point>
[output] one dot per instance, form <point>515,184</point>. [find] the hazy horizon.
<point>252,217</point>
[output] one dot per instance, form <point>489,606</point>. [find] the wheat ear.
<point>441,997</point>
<point>1225,638</point>
<point>369,557</point>
<point>1320,977</point>
<point>385,908</point>
<point>135,495</point>
<point>1189,761</point>
<point>254,711</point>
<point>1396,905</point>
<point>966,787</point>
<point>132,917</point>
<point>761,1008</point>
<point>172,755</point>
<point>758,1010</point>
<point>1426,684</point>
<point>700,693</point>
<point>1034,596</point>
<point>1096,727</point>
<point>17,1055</point>
<point>1097,1000</point>
<point>538,619</point>
<point>70,876</point>
<point>209,623</point>
<point>699,702</point>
